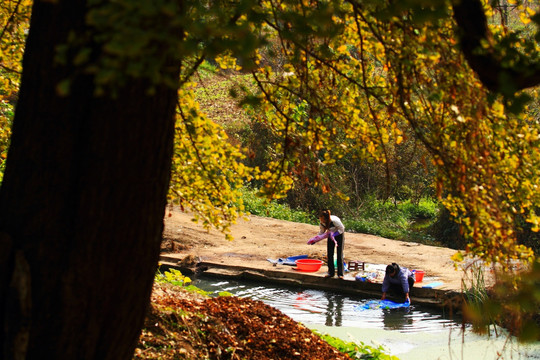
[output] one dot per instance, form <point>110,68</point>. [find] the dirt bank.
<point>260,238</point>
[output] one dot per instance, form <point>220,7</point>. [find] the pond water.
<point>408,333</point>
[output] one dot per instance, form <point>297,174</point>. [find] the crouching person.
<point>397,281</point>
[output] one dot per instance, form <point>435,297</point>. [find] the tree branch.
<point>471,19</point>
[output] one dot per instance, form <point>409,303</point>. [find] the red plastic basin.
<point>419,276</point>
<point>308,264</point>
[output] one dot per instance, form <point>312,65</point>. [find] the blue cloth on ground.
<point>291,260</point>
<point>382,304</point>
<point>433,285</point>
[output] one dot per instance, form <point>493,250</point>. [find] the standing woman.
<point>332,224</point>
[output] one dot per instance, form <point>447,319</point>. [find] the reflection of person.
<point>397,280</point>
<point>397,319</point>
<point>332,228</point>
<point>333,311</point>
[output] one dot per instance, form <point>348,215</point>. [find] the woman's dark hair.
<point>392,268</point>
<point>325,214</point>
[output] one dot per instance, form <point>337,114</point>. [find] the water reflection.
<point>397,319</point>
<point>334,310</point>
<point>307,302</point>
<point>340,316</point>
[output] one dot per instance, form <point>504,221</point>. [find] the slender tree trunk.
<point>81,204</point>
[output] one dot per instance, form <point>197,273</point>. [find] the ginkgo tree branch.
<point>11,17</point>
<point>282,166</point>
<point>478,48</point>
<point>374,116</point>
<point>211,179</point>
<point>10,69</point>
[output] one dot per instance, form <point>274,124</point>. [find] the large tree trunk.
<point>81,204</point>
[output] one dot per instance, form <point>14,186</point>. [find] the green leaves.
<point>366,80</point>
<point>512,303</point>
<point>207,172</point>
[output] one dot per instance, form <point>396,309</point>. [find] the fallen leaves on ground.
<point>183,325</point>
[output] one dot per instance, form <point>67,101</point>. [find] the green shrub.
<point>207,69</point>
<point>357,350</point>
<point>394,220</point>
<point>172,276</point>
<point>375,217</point>
<point>261,207</point>
<point>175,278</point>
<point>404,192</point>
<point>425,209</point>
<point>447,231</point>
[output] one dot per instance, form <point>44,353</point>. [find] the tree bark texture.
<point>81,204</point>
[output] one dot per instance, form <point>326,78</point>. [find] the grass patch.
<point>213,93</point>
<point>357,350</point>
<point>256,205</point>
<point>385,219</point>
<point>399,221</point>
